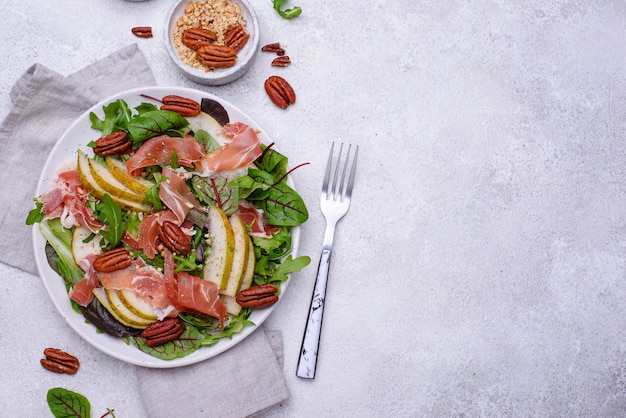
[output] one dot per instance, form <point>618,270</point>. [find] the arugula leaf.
<point>290,265</point>
<point>111,214</point>
<point>236,324</point>
<point>117,115</point>
<point>65,403</point>
<point>286,13</point>
<point>36,214</point>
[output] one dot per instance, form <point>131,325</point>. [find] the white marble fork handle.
<point>311,339</point>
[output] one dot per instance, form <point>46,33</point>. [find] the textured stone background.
<point>481,269</point>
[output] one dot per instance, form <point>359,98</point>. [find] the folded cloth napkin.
<point>240,382</point>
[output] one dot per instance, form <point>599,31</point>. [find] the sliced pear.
<point>87,179</point>
<point>111,185</point>
<point>80,249</point>
<point>123,312</point>
<point>101,294</point>
<point>208,123</point>
<point>232,307</point>
<point>118,170</point>
<point>240,257</point>
<point>219,260</point>
<point>248,276</point>
<point>136,304</point>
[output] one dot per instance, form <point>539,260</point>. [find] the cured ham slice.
<point>67,201</point>
<point>244,148</point>
<point>255,220</point>
<point>192,294</point>
<point>200,296</point>
<point>158,151</point>
<point>82,293</point>
<point>175,194</point>
<point>147,235</point>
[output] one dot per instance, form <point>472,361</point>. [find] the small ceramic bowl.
<point>217,76</point>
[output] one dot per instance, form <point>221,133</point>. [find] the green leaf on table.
<point>68,404</point>
<point>286,13</point>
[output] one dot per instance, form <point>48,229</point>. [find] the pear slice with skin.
<point>240,257</point>
<point>136,304</point>
<point>232,307</point>
<point>123,312</point>
<point>101,294</point>
<point>118,170</point>
<point>110,184</point>
<point>219,260</point>
<point>207,123</point>
<point>80,249</point>
<point>86,178</point>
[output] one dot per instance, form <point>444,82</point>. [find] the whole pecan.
<point>173,237</point>
<point>258,297</point>
<point>194,38</point>
<point>275,47</point>
<point>280,91</point>
<point>236,37</point>
<point>116,143</point>
<point>142,31</point>
<point>181,105</point>
<point>281,61</point>
<point>59,361</point>
<point>217,56</point>
<point>115,259</point>
<point>163,331</point>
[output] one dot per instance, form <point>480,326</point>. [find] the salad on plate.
<point>171,224</point>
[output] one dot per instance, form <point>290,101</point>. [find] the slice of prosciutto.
<point>68,202</point>
<point>175,194</point>
<point>244,148</point>
<point>158,151</point>
<point>254,219</point>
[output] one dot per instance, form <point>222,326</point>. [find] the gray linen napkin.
<point>44,105</point>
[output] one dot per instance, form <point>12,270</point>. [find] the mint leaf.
<point>67,404</point>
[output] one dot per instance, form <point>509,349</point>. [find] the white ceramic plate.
<point>64,154</point>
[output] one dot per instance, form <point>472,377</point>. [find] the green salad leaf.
<point>286,13</point>
<point>64,403</point>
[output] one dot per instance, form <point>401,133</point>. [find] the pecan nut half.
<point>236,37</point>
<point>275,47</point>
<point>280,91</point>
<point>195,38</point>
<point>282,61</point>
<point>181,105</point>
<point>217,56</point>
<point>115,259</point>
<point>173,237</point>
<point>142,31</point>
<point>163,331</point>
<point>116,143</point>
<point>59,361</point>
<point>258,297</point>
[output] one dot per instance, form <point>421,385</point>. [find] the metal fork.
<point>334,202</point>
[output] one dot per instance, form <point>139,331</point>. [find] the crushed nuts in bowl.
<point>212,42</point>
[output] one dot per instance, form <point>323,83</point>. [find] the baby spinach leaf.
<point>67,404</point>
<point>216,191</point>
<point>154,123</point>
<point>186,344</point>
<point>284,206</point>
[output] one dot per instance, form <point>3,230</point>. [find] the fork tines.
<point>343,190</point>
